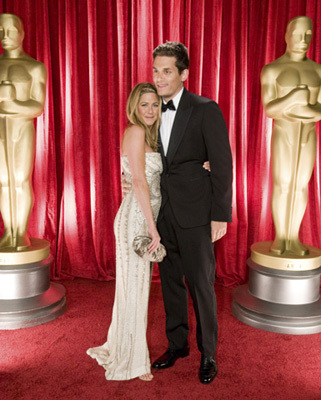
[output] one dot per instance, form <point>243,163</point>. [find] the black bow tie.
<point>168,106</point>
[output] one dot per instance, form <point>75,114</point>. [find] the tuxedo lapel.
<point>179,126</point>
<point>161,151</point>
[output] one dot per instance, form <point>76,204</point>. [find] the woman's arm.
<point>133,146</point>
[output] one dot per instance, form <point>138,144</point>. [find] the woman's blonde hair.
<point>151,132</point>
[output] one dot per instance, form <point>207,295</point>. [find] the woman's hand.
<point>155,243</point>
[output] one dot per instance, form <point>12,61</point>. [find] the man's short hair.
<point>174,49</point>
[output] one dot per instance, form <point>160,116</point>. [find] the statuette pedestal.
<point>283,297</point>
<point>27,297</point>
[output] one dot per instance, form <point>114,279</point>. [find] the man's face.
<point>299,35</point>
<point>166,77</point>
<point>11,35</point>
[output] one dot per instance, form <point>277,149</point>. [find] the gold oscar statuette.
<point>22,95</point>
<point>291,96</point>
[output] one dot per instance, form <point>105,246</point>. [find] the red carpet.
<point>49,361</point>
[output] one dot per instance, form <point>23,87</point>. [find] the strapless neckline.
<point>147,152</point>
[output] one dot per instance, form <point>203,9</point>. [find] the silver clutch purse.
<point>140,245</point>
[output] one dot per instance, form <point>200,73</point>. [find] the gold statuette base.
<point>260,254</point>
<point>38,251</point>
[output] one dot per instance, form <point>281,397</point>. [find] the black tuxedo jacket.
<point>199,134</point>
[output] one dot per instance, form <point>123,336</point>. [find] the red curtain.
<point>95,51</point>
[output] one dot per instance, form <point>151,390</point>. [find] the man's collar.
<point>177,98</point>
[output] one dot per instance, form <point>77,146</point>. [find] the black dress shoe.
<point>169,358</point>
<point>208,369</point>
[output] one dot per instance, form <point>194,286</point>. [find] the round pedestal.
<point>284,287</point>
<point>32,311</point>
<point>38,251</point>
<point>24,280</point>
<point>280,301</point>
<point>27,297</point>
<point>260,253</point>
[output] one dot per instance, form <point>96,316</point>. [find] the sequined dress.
<point>125,355</point>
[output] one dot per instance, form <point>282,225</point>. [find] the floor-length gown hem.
<point>113,375</point>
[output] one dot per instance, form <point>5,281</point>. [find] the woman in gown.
<point>125,354</point>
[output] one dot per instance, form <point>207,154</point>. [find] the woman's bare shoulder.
<point>133,139</point>
<point>134,129</point>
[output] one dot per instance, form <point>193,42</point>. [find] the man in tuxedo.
<point>196,206</point>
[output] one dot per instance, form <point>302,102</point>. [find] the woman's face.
<point>148,107</point>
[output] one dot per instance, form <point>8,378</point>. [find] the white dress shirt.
<point>167,121</point>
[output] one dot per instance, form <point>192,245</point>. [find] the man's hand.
<point>125,186</point>
<point>207,166</point>
<point>218,230</point>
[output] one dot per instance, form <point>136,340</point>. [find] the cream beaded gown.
<point>125,354</point>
